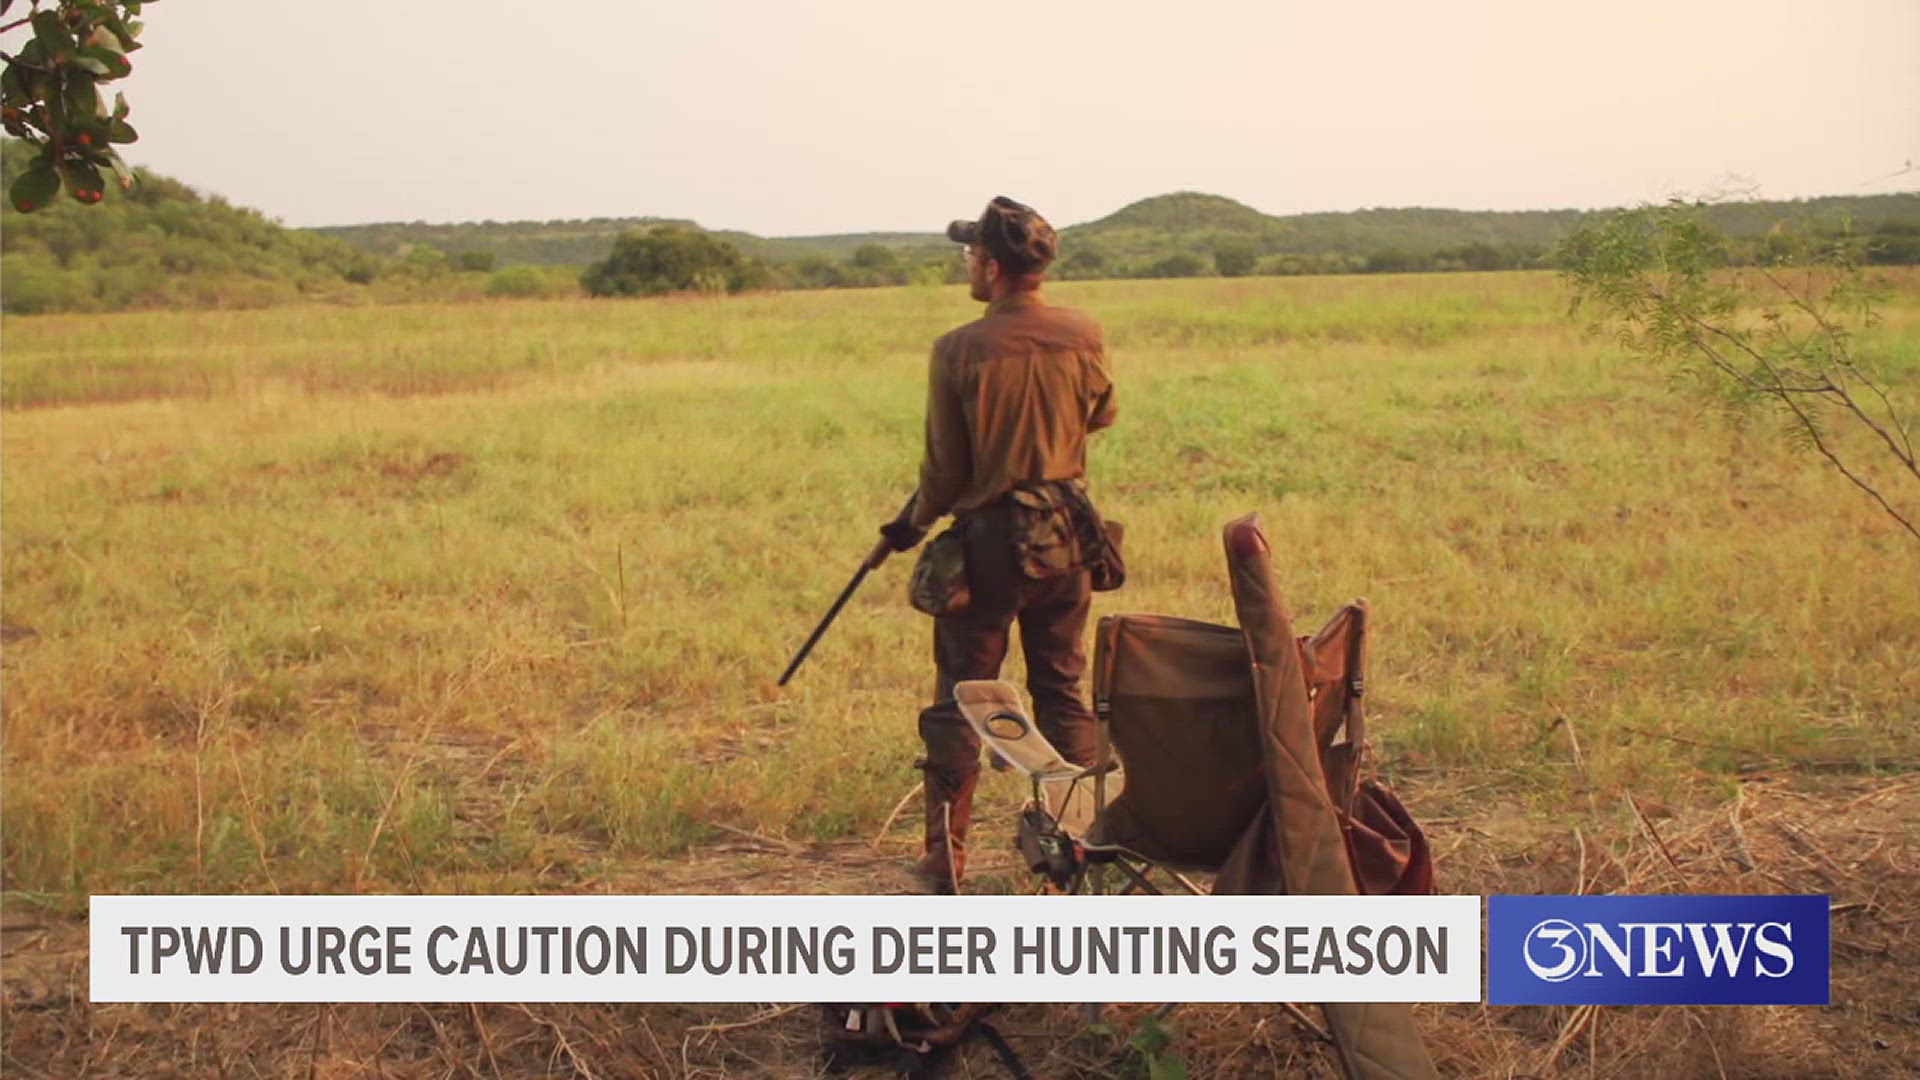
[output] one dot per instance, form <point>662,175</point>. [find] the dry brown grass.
<point>1783,833</point>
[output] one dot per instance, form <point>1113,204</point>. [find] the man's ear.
<point>993,271</point>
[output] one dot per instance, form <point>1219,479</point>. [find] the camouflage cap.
<point>1013,233</point>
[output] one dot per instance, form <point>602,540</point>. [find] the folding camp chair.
<point>1058,833</point>
<point>1242,753</point>
<point>1173,697</point>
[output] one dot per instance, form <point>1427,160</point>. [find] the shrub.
<point>668,258</point>
<point>517,281</point>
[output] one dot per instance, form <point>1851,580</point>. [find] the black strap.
<point>1003,1051</point>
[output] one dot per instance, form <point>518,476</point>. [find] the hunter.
<point>1011,398</point>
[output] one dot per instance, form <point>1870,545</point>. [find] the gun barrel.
<point>820,630</point>
<point>845,595</point>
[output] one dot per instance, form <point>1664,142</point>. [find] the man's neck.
<point>1007,294</point>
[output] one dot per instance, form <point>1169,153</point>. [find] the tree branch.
<point>1813,433</point>
<point>1903,448</point>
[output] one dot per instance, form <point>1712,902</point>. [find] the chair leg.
<point>1137,879</point>
<point>1185,883</point>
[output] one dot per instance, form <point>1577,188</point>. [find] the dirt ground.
<point>1852,839</point>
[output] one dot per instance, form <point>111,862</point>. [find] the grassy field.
<point>488,596</point>
<point>491,598</point>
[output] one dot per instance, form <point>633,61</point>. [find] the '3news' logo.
<point>1626,950</point>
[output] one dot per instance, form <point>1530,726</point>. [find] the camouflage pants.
<point>1052,614</point>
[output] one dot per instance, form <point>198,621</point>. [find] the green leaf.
<point>119,29</point>
<point>82,99</point>
<point>92,66</point>
<point>122,132</point>
<point>1166,1068</point>
<point>120,170</point>
<point>52,35</point>
<point>36,187</point>
<point>103,37</point>
<point>120,107</point>
<point>84,180</point>
<point>113,65</point>
<point>89,137</point>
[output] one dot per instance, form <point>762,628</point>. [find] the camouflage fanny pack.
<point>1056,531</point>
<point>939,582</point>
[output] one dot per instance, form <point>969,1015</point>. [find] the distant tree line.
<point>162,244</point>
<point>681,258</point>
<point>1887,244</point>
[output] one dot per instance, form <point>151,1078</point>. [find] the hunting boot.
<point>949,811</point>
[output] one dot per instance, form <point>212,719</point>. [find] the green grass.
<point>483,596</point>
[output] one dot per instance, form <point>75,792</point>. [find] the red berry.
<point>86,139</point>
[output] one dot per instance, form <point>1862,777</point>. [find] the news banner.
<point>1537,950</point>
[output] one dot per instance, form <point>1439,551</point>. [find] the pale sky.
<point>785,118</point>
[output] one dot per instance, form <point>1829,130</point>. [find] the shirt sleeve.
<point>948,463</point>
<point>1103,408</point>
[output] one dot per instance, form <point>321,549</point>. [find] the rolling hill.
<point>1135,238</point>
<point>581,241</point>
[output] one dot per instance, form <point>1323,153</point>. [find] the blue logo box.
<point>1657,950</point>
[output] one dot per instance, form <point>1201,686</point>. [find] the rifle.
<point>873,559</point>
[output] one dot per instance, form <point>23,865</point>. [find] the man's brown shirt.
<point>1011,398</point>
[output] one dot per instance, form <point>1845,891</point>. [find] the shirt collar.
<point>1026,298</point>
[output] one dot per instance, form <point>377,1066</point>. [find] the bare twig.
<point>654,1041</point>
<point>1713,1048</point>
<point>1579,759</point>
<point>1300,1017</point>
<point>1579,1018</point>
<point>249,813</point>
<point>1654,835</point>
<point>453,693</point>
<point>200,801</point>
<point>1580,875</point>
<point>319,1040</point>
<point>1741,856</point>
<point>486,1037</point>
<point>562,1046</point>
<point>1705,744</point>
<point>782,845</point>
<point>758,1018</point>
<point>898,809</point>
